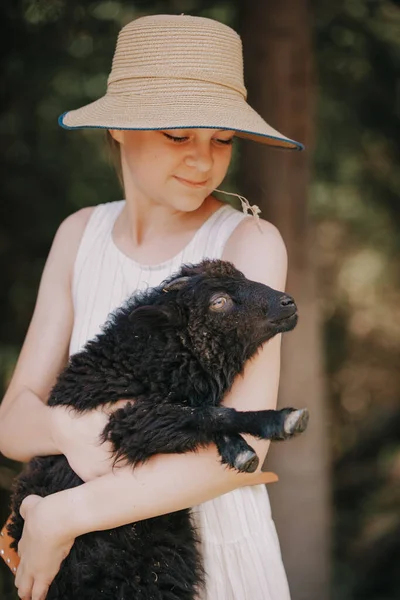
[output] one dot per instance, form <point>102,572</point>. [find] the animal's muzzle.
<point>287,306</point>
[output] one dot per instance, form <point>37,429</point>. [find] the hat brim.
<point>114,111</point>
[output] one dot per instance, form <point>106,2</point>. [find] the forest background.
<point>327,74</point>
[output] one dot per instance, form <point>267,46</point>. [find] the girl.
<point>174,102</point>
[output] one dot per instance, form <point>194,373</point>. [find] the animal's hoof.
<point>246,462</point>
<point>296,421</point>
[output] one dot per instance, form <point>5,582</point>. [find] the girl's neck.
<point>151,233</point>
<point>141,221</point>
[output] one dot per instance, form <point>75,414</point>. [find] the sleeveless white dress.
<point>239,543</point>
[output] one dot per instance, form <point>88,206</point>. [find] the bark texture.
<point>280,80</point>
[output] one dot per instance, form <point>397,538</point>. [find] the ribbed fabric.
<point>238,538</point>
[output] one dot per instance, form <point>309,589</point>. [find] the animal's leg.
<point>267,424</point>
<point>236,452</point>
<point>138,431</point>
<point>271,425</point>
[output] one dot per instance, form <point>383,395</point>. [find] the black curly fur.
<point>175,354</point>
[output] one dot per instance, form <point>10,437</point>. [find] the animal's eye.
<point>219,303</point>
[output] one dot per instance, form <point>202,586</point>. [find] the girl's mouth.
<point>189,183</point>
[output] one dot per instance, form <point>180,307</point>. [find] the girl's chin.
<point>188,200</point>
<point>186,204</point>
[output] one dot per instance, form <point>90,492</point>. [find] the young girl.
<point>174,102</point>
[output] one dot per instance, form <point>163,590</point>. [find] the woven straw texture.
<point>177,72</point>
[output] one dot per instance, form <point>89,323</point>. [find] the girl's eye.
<point>174,138</point>
<point>180,139</point>
<point>225,142</point>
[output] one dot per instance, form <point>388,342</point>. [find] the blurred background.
<point>325,73</point>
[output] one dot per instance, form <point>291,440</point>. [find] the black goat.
<point>175,350</point>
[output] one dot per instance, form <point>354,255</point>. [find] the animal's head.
<point>217,313</point>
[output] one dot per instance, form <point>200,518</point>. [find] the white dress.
<point>239,544</point>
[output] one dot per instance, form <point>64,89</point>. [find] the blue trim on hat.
<point>298,145</point>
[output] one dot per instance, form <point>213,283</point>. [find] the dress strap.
<point>96,232</point>
<point>213,237</point>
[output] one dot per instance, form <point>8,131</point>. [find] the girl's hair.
<point>115,156</point>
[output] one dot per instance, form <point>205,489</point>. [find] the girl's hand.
<point>260,477</point>
<point>77,436</point>
<point>41,549</point>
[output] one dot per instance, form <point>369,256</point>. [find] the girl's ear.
<point>117,134</point>
<point>154,316</point>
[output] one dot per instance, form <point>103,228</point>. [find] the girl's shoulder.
<point>256,248</point>
<point>72,229</point>
<point>67,240</point>
<point>78,220</point>
<point>82,233</point>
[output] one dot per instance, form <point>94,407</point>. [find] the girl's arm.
<point>28,427</point>
<point>26,423</point>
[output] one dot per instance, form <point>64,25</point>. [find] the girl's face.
<point>177,168</point>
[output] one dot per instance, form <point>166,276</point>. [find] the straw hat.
<point>177,72</point>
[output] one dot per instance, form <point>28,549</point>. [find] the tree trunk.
<point>279,78</point>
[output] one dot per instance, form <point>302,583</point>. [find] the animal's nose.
<point>287,301</point>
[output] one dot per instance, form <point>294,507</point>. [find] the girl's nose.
<point>200,157</point>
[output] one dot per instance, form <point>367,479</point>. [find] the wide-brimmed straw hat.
<point>177,72</point>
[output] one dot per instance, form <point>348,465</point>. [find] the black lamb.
<point>175,350</point>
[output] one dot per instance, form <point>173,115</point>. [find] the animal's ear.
<point>156,316</point>
<point>175,284</point>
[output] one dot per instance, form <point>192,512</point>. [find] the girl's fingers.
<point>261,477</point>
<point>24,586</point>
<point>28,588</point>
<point>19,575</point>
<point>268,477</point>
<point>39,590</point>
